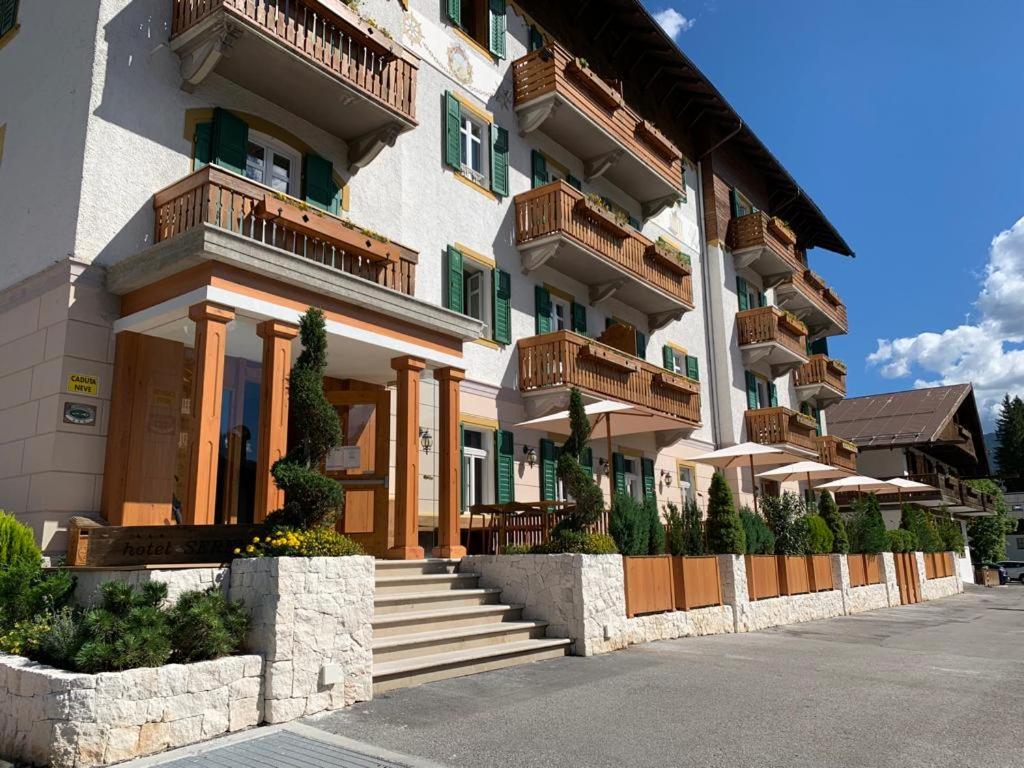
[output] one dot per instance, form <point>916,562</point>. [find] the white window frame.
<point>563,323</point>
<point>686,474</point>
<point>634,483</point>
<point>271,147</point>
<point>764,394</point>
<point>678,361</point>
<point>472,458</point>
<point>743,204</point>
<point>471,268</point>
<point>467,121</point>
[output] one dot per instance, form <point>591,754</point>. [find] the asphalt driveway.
<point>937,684</point>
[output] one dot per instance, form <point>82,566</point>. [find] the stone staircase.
<point>431,622</point>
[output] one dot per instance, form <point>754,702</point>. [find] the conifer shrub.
<point>17,542</point>
<point>571,542</point>
<point>866,527</point>
<point>579,483</point>
<point>655,529</point>
<point>819,538</point>
<point>725,534</point>
<point>829,512</point>
<point>629,525</point>
<point>760,539</point>
<point>919,525</point>
<point>684,529</point>
<point>206,625</point>
<point>784,516</point>
<point>128,629</point>
<point>26,591</point>
<point>951,537</point>
<point>901,540</point>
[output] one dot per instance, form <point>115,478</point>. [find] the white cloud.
<point>986,352</point>
<point>673,22</point>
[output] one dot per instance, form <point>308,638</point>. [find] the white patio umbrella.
<point>908,485</point>
<point>858,483</point>
<point>746,455</point>
<point>804,470</point>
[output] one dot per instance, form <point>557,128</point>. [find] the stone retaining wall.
<point>178,580</point>
<point>68,719</point>
<point>934,589</point>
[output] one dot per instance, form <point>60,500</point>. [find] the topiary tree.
<point>310,498</point>
<point>725,534</point>
<point>819,535</point>
<point>17,542</point>
<point>829,512</point>
<point>760,539</point>
<point>630,526</point>
<point>589,500</point>
<point>784,516</point>
<point>867,528</point>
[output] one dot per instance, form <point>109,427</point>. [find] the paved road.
<point>938,684</point>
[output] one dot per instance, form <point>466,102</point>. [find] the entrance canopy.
<point>623,418</point>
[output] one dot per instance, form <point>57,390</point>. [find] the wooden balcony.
<point>951,493</point>
<point>806,295</point>
<point>822,380</point>
<point>837,452</point>
<point>318,59</point>
<point>762,244</point>
<point>564,359</point>
<point>557,226</point>
<point>214,197</point>
<point>783,428</point>
<point>561,96</point>
<point>768,336</point>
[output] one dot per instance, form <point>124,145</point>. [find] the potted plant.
<point>595,209</point>
<point>650,135</point>
<point>782,231</point>
<point>813,279</point>
<point>666,254</point>
<point>604,94</point>
<point>793,323</point>
<point>804,420</point>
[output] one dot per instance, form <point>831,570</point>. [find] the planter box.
<point>864,570</point>
<point>792,325</point>
<point>610,358</point>
<point>602,217</point>
<point>658,141</point>
<point>793,574</point>
<point>600,91</point>
<point>782,232</point>
<point>696,582</point>
<point>678,383</point>
<point>762,577</point>
<point>64,719</point>
<point>668,259</point>
<point>649,584</point>
<point>820,570</point>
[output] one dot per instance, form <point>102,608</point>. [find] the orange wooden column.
<point>407,458</point>
<point>273,434</point>
<point>450,466</point>
<point>211,343</point>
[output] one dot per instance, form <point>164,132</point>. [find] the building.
<point>492,203</point>
<point>930,435</point>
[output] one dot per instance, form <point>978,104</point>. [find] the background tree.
<point>830,514</point>
<point>725,534</point>
<point>1010,435</point>
<point>987,535</point>
<point>310,498</point>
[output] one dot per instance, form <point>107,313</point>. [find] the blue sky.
<point>905,122</point>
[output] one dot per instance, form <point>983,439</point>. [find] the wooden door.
<point>907,577</point>
<point>365,419</point>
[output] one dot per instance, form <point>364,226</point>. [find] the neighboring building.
<point>931,435</point>
<point>520,198</point>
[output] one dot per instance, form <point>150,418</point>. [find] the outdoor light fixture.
<point>531,456</point>
<point>426,440</point>
<point>666,477</point>
<point>603,463</point>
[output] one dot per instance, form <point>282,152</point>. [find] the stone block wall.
<point>67,719</point>
<point>178,580</point>
<point>311,617</point>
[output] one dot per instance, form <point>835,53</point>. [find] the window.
<point>561,313</point>
<point>761,393</point>
<point>480,290</point>
<point>687,486</point>
<point>476,281</point>
<point>741,206</point>
<point>483,21</point>
<point>474,147</point>
<point>749,295</point>
<point>271,163</point>
<point>471,149</point>
<point>8,16</point>
<point>631,470</point>
<point>477,469</point>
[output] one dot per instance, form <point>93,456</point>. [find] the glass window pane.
<point>474,439</point>
<point>281,174</point>
<point>255,165</point>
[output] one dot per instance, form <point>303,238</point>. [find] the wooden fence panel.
<point>820,568</point>
<point>649,584</point>
<point>762,577</point>
<point>874,568</point>
<point>929,565</point>
<point>907,577</point>
<point>857,566</point>
<point>793,574</point>
<point>697,583</point>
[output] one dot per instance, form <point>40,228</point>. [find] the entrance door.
<point>907,577</point>
<point>360,465</point>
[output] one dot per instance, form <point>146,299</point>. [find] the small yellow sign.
<point>80,384</point>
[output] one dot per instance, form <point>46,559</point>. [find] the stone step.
<point>405,673</point>
<point>407,567</point>
<point>392,624</point>
<point>424,582</point>
<point>406,646</point>
<point>424,601</point>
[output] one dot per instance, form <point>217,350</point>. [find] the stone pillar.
<point>841,578</point>
<point>892,586</point>
<point>733,570</point>
<point>919,561</point>
<point>450,469</point>
<point>273,432</point>
<point>210,346</point>
<point>407,460</point>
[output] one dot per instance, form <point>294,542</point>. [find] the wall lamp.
<point>531,456</point>
<point>426,440</point>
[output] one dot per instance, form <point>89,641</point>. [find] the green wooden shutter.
<point>536,39</point>
<point>504,466</point>
<point>8,15</point>
<point>453,297</point>
<point>548,470</point>
<point>230,141</point>
<point>641,345</point>
<point>752,400</point>
<point>773,394</point>
<point>668,358</point>
<point>734,203</point>
<point>634,223</point>
<point>454,8</point>
<point>762,299</point>
<point>741,293</point>
<point>453,117</point>
<point>321,191</point>
<point>462,466</point>
<point>497,28</point>
<point>502,326</point>
<point>647,469</point>
<point>587,460</point>
<point>539,165</point>
<point>499,160</point>
<point>692,368</point>
<point>202,144</point>
<point>579,318</point>
<point>542,304</point>
<point>573,182</point>
<point>619,472</point>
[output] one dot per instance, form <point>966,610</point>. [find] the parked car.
<point>1003,576</point>
<point>1014,569</point>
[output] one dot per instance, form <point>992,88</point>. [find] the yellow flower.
<point>238,551</point>
<point>250,549</point>
<point>256,540</point>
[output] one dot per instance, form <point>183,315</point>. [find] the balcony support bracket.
<point>652,208</point>
<point>202,54</point>
<point>782,369</point>
<point>746,257</point>
<point>363,150</point>
<point>536,255</point>
<point>770,281</point>
<point>533,116</point>
<point>602,291</point>
<point>596,167</point>
<point>659,320</point>
<point>667,437</point>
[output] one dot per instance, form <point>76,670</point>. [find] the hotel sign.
<point>110,546</point>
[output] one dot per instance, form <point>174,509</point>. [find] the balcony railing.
<point>598,127</point>
<point>764,325</point>
<point>215,197</point>
<point>556,209</point>
<point>837,452</point>
<point>822,370</point>
<point>806,290</point>
<point>951,493</point>
<point>781,426</point>
<point>566,359</point>
<point>770,249</point>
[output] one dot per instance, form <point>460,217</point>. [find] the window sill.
<point>9,35</point>
<point>489,343</point>
<point>473,185</point>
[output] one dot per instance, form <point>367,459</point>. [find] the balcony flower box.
<point>670,258</point>
<point>790,322</point>
<point>804,420</point>
<point>598,213</point>
<point>831,297</point>
<point>674,381</point>
<point>374,36</point>
<point>599,90</point>
<point>838,366</point>
<point>782,231</point>
<point>610,358</point>
<point>658,141</point>
<point>814,280</point>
